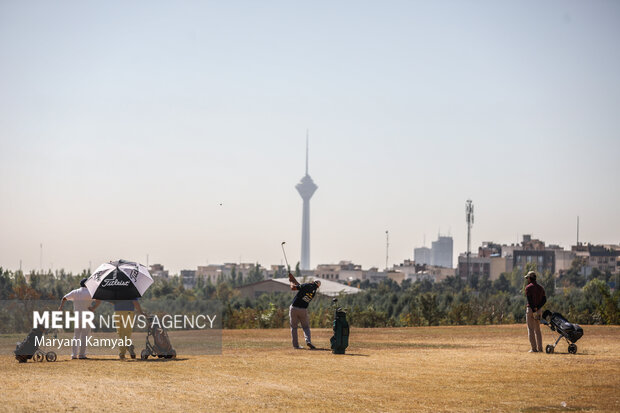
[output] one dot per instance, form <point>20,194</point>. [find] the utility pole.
<point>577,229</point>
<point>469,217</point>
<point>387,248</point>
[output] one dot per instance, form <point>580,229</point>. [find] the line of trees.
<point>387,304</point>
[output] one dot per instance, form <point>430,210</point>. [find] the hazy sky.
<point>124,125</point>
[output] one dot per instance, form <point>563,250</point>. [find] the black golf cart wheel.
<point>549,349</point>
<point>572,348</point>
<point>171,354</point>
<point>38,357</point>
<point>50,356</point>
<point>144,354</point>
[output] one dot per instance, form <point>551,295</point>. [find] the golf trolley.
<point>568,331</point>
<point>160,347</point>
<point>41,352</point>
<point>28,348</point>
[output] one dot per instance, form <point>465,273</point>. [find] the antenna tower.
<point>469,218</point>
<point>387,248</point>
<point>577,229</point>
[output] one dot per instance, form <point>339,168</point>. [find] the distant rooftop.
<point>329,288</point>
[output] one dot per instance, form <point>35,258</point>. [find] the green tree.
<point>256,275</point>
<point>547,281</point>
<point>502,283</point>
<point>428,308</point>
<point>224,292</point>
<point>6,284</point>
<point>575,275</point>
<point>604,305</point>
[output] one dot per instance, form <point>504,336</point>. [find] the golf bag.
<point>26,349</point>
<point>161,346</point>
<point>569,331</point>
<point>29,349</point>
<point>340,340</point>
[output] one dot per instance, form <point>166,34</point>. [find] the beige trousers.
<point>125,328</point>
<point>299,316</point>
<point>533,328</point>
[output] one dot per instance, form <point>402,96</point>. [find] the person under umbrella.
<point>124,311</point>
<point>121,283</point>
<point>119,280</point>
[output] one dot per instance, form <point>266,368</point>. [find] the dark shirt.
<point>536,297</point>
<point>304,295</point>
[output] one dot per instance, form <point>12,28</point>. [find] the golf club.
<point>287,266</point>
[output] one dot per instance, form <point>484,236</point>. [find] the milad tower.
<point>306,188</point>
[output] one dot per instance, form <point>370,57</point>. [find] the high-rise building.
<point>534,251</point>
<point>441,252</point>
<point>306,188</point>
<point>422,255</point>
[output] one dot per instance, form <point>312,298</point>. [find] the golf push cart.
<point>569,331</point>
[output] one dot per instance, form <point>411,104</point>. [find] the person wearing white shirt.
<point>81,301</point>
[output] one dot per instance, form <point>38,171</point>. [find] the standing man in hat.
<point>298,311</point>
<point>536,298</point>
<point>81,301</point>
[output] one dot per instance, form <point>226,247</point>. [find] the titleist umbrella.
<point>119,280</point>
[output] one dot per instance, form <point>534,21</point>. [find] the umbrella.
<point>119,280</point>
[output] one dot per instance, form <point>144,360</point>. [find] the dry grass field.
<point>467,368</point>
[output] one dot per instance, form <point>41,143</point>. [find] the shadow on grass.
<point>41,362</point>
<point>162,360</point>
<point>279,345</point>
<point>115,359</point>
<point>274,345</point>
<point>420,346</point>
<point>566,353</point>
<point>353,355</point>
<point>77,361</point>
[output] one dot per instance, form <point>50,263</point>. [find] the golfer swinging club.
<point>298,311</point>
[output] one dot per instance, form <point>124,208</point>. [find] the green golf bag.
<point>340,339</point>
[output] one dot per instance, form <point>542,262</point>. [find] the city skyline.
<point>427,258</point>
<point>177,130</point>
